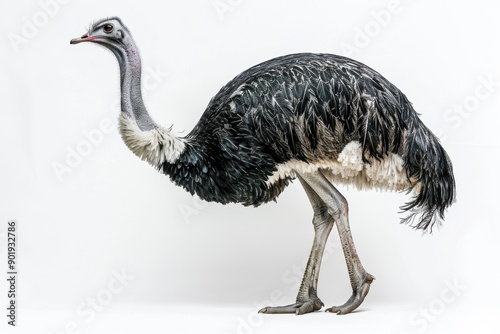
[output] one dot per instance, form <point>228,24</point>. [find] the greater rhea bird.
<point>321,118</point>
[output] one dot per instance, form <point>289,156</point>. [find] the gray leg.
<point>338,209</point>
<point>307,298</point>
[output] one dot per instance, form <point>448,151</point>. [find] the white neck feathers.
<point>155,146</point>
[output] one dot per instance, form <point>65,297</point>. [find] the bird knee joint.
<point>322,217</point>
<point>335,213</point>
<point>339,208</point>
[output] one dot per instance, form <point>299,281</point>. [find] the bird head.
<point>110,33</point>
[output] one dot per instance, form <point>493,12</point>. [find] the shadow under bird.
<point>321,118</point>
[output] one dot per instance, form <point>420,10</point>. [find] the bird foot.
<point>356,299</point>
<point>298,308</point>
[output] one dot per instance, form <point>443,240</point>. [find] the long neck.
<point>130,81</point>
<point>146,139</point>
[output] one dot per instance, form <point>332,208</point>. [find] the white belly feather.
<point>349,169</point>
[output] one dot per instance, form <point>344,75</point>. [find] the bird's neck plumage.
<point>146,139</point>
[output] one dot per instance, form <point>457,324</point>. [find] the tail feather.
<point>429,167</point>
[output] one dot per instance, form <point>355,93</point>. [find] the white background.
<point>208,268</point>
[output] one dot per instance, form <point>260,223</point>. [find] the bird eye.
<point>108,28</point>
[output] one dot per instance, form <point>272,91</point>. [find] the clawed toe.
<point>356,299</point>
<point>298,308</point>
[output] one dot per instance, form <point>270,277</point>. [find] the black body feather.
<point>308,107</point>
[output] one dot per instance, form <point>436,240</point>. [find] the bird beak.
<point>84,38</point>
